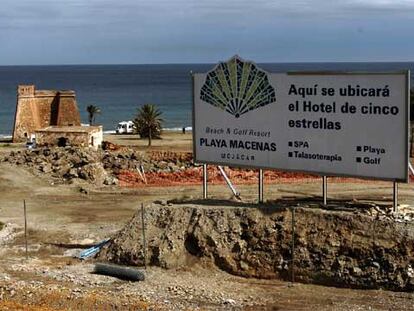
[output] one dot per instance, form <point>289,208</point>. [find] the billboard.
<point>328,123</point>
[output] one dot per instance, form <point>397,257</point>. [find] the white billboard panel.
<point>346,124</point>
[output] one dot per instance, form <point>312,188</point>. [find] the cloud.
<point>82,31</point>
<point>41,10</point>
<point>79,14</point>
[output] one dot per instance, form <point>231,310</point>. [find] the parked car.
<point>125,127</point>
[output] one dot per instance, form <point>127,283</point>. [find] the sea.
<point>119,90</point>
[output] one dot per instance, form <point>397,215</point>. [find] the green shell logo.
<point>237,87</point>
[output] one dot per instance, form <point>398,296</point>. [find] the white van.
<point>125,127</point>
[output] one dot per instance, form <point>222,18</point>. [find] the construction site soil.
<point>215,254</point>
<point>347,245</point>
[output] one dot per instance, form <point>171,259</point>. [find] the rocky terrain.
<point>340,247</point>
<point>102,167</point>
<point>192,244</point>
<point>81,289</point>
<point>128,167</point>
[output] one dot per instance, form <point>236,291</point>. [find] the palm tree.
<point>92,112</point>
<point>148,122</point>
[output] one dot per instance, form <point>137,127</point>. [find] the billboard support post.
<point>325,190</point>
<point>292,263</point>
<point>395,197</point>
<point>411,168</point>
<point>228,181</point>
<point>204,181</point>
<point>260,186</point>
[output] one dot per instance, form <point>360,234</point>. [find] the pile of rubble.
<point>69,164</point>
<point>63,163</point>
<point>340,248</point>
<point>131,168</point>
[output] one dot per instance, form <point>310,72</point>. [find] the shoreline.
<point>167,129</point>
<point>127,140</point>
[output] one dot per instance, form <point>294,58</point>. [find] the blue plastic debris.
<point>89,252</point>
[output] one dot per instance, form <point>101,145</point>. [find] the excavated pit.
<point>346,246</point>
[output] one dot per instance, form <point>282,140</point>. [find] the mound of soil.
<point>194,175</point>
<point>130,168</point>
<point>338,247</point>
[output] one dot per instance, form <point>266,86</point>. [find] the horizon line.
<point>203,63</point>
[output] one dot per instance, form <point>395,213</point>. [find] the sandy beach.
<point>170,141</point>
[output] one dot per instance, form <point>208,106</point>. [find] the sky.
<point>46,32</point>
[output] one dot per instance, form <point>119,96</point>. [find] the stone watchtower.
<point>37,109</point>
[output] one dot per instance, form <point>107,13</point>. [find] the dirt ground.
<point>60,216</point>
